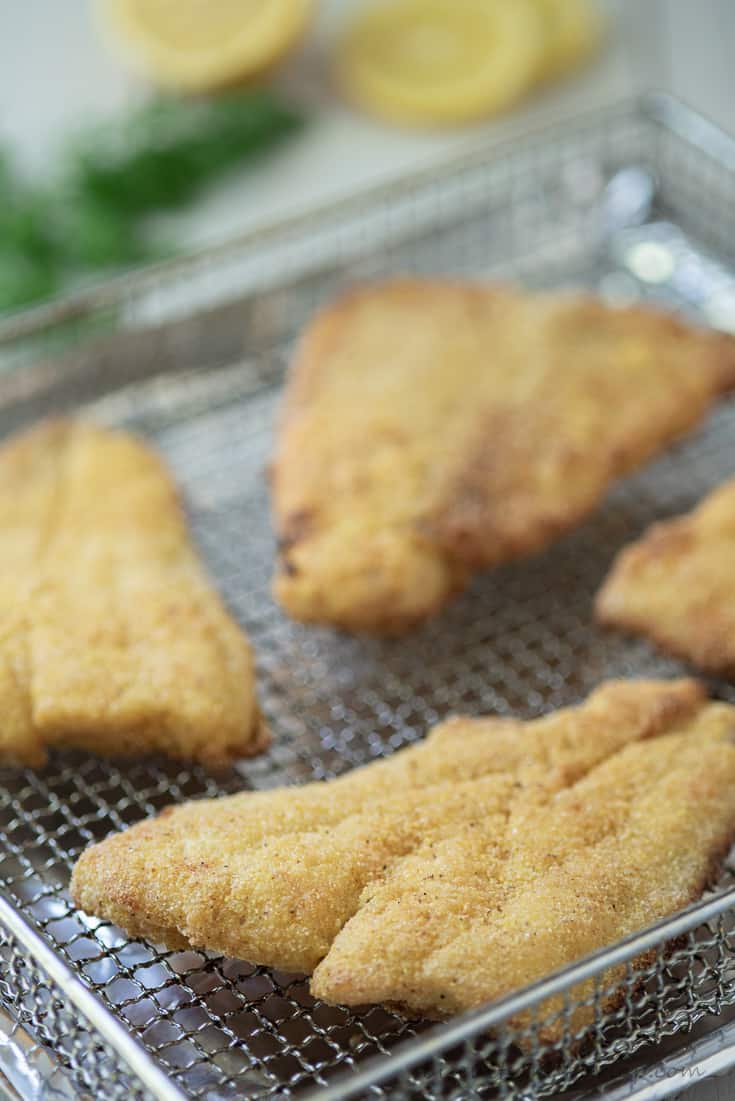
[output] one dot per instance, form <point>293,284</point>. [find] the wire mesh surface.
<point>47,1051</point>
<point>198,369</point>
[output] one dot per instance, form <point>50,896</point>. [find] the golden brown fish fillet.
<point>431,429</point>
<point>677,585</point>
<point>112,638</point>
<point>454,871</point>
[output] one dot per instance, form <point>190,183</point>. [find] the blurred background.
<point>349,100</point>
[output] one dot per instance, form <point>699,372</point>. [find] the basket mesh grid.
<point>520,641</point>
<point>47,1051</point>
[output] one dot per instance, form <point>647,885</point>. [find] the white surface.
<point>55,74</point>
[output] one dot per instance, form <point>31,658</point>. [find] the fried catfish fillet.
<point>113,639</point>
<point>433,429</point>
<point>455,871</point>
<point>677,585</point>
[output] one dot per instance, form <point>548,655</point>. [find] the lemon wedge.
<point>573,30</point>
<point>201,45</point>
<point>441,61</point>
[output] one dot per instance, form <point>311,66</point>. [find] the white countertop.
<point>73,77</point>
<point>55,73</point>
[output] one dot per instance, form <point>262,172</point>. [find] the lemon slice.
<point>199,45</point>
<point>573,30</point>
<point>441,61</point>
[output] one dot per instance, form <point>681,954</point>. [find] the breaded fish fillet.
<point>455,871</point>
<point>677,585</point>
<point>112,637</point>
<point>431,429</point>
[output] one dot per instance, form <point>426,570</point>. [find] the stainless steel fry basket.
<point>634,202</point>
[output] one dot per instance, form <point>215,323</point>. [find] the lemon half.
<point>200,45</point>
<point>441,61</point>
<point>573,29</point>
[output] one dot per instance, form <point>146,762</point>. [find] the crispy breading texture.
<point>455,871</point>
<point>113,639</point>
<point>676,585</point>
<point>431,429</point>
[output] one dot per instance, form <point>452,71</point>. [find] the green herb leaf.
<point>23,280</point>
<point>160,157</point>
<point>88,234</point>
<point>170,149</point>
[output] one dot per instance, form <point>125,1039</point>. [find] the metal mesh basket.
<point>192,355</point>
